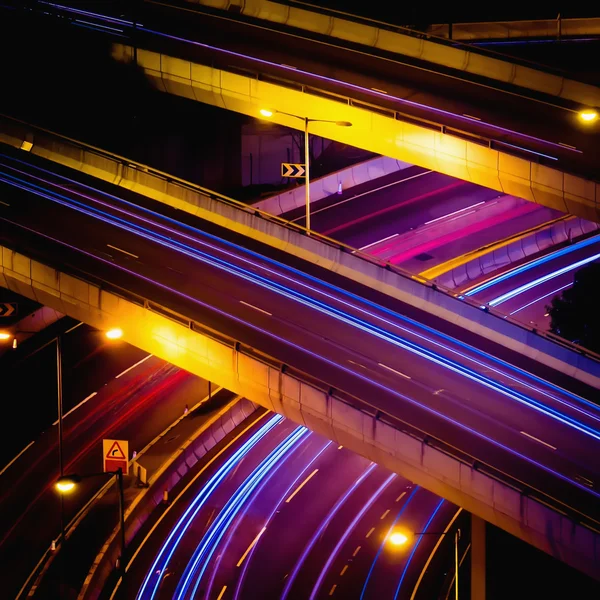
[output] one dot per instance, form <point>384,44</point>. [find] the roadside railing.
<point>356,402</point>
<point>21,129</point>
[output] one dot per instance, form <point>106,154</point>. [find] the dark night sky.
<point>404,13</point>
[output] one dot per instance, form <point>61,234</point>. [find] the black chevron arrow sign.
<point>292,170</point>
<point>8,309</point>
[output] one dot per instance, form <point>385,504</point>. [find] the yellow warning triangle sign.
<point>115,452</point>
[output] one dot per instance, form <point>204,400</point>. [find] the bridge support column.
<point>477,558</point>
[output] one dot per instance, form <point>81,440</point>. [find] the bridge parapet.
<point>353,422</point>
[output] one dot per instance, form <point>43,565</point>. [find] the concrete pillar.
<point>477,558</point>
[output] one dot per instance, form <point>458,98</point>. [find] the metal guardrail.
<point>346,397</point>
<point>313,234</point>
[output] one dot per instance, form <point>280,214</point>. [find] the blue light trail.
<point>327,310</point>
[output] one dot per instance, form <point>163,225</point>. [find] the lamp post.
<point>111,334</point>
<point>399,539</point>
<point>269,113</point>
<point>67,483</point>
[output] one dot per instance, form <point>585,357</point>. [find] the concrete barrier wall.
<point>243,220</point>
<point>379,133</point>
<point>499,30</point>
<point>328,185</point>
<point>362,430</point>
<point>136,517</point>
<point>424,47</point>
<point>500,258</point>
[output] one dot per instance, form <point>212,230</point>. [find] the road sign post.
<point>293,170</point>
<point>116,453</point>
<point>8,309</point>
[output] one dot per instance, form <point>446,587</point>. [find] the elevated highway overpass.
<point>529,146</point>
<point>506,444</point>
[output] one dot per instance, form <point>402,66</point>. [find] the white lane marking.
<point>137,364</point>
<point>368,534</point>
<point>340,447</point>
<point>4,203</point>
<point>383,187</point>
<point>254,542</point>
<point>455,212</point>
<point>437,392</point>
<point>400,497</point>
<point>17,456</point>
<point>76,407</point>
<point>553,292</point>
<point>471,117</point>
<point>123,251</point>
<point>380,91</point>
<point>567,146</point>
<point>394,371</point>
<point>357,364</point>
<point>356,551</point>
<point>537,440</point>
<point>384,515</point>
<point>332,589</point>
<point>301,486</point>
<point>344,569</point>
<point>385,239</point>
<point>256,308</point>
<point>289,66</point>
<point>584,480</point>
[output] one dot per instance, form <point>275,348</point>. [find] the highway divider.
<point>337,257</point>
<point>518,497</point>
<point>551,29</point>
<point>459,272</point>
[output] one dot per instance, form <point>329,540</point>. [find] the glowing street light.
<point>114,334</point>
<point>66,484</point>
<point>588,116</point>
<point>265,112</point>
<point>398,539</point>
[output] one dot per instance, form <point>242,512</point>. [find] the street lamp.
<point>269,113</point>
<point>588,116</point>
<point>398,538</point>
<point>66,484</point>
<point>114,334</point>
<point>111,334</point>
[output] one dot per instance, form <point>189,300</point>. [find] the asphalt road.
<point>524,290</point>
<point>390,205</point>
<point>295,516</point>
<point>418,219</point>
<point>542,130</point>
<point>504,417</point>
<point>137,406</point>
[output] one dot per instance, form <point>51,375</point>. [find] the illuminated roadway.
<point>524,290</point>
<point>284,513</point>
<point>137,407</point>
<point>503,416</point>
<point>542,130</point>
<point>418,219</point>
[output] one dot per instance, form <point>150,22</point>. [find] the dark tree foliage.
<point>575,313</point>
